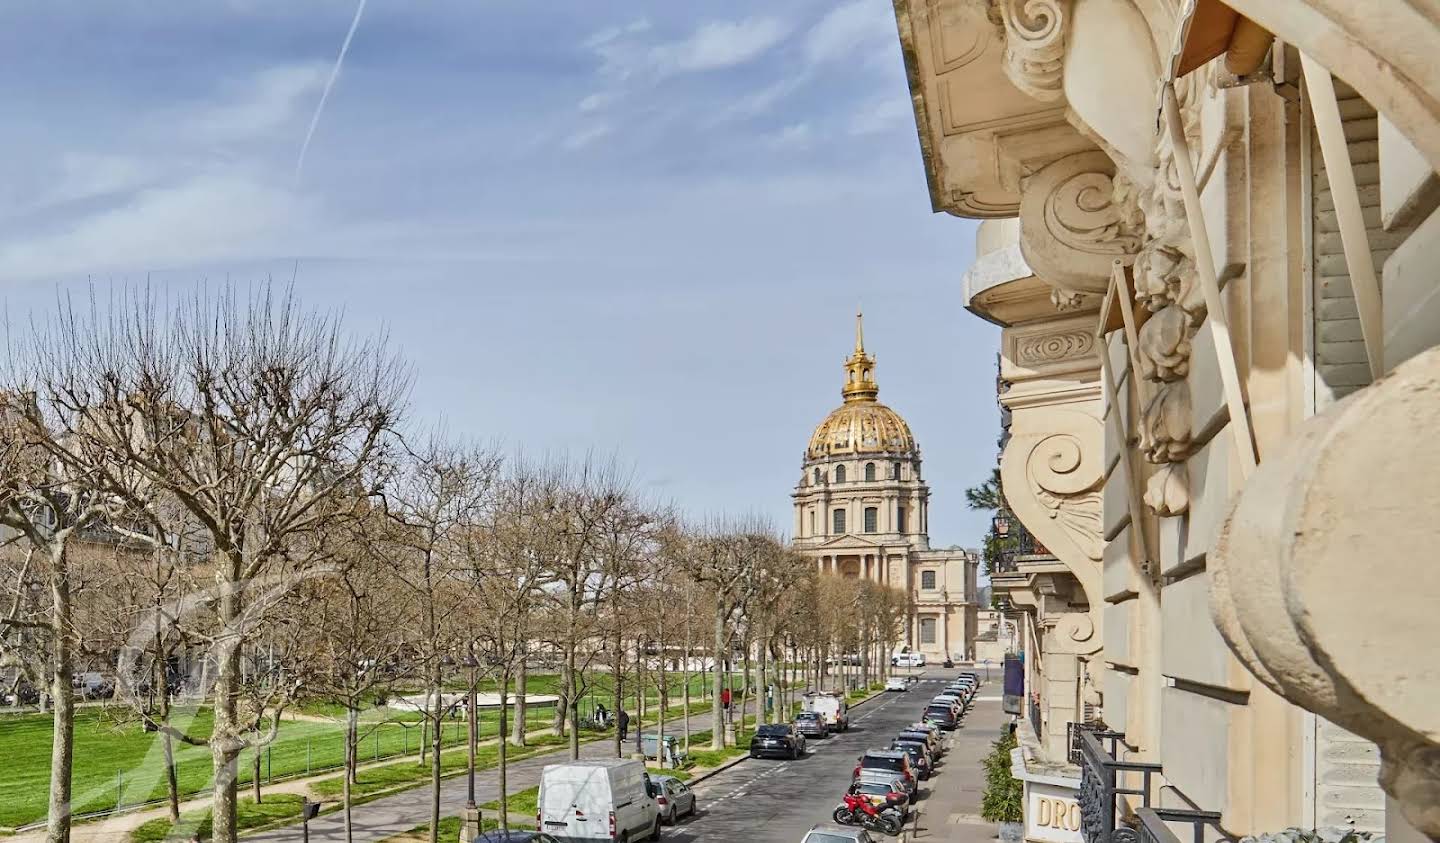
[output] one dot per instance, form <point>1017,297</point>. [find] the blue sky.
<point>639,228</point>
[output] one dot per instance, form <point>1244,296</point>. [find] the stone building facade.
<point>862,509</point>
<point>1211,240</point>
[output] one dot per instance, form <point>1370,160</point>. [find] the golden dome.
<point>862,425</point>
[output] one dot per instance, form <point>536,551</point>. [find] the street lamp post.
<point>472,717</point>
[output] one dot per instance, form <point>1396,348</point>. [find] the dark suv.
<point>777,740</point>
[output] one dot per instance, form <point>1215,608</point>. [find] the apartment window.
<point>839,474</point>
<point>927,630</point>
<point>927,580</point>
<point>838,520</point>
<point>870,472</point>
<point>900,520</point>
<point>872,519</point>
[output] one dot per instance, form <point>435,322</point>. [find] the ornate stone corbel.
<point>1071,230</point>
<point>1052,479</point>
<point>1329,534</point>
<point>1035,45</point>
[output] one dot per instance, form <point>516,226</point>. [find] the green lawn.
<point>276,807</point>
<point>114,759</point>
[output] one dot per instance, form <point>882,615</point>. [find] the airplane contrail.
<point>329,83</point>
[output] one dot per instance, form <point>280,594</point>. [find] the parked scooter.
<point>858,809</point>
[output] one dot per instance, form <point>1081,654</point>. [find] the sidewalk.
<point>952,810</point>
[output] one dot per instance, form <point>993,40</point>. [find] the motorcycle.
<point>858,809</point>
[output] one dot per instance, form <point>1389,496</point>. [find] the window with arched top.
<point>839,474</point>
<point>817,477</point>
<point>895,471</point>
<point>870,471</point>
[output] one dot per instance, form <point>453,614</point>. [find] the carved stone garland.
<point>1166,284</point>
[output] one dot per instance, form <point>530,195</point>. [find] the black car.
<point>777,740</point>
<point>811,725</point>
<point>941,715</point>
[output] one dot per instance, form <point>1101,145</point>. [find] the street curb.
<point>714,770</point>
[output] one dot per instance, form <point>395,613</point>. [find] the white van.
<point>832,708</point>
<point>907,660</point>
<point>600,799</point>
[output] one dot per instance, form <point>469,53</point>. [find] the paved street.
<point>403,811</point>
<point>765,801</point>
<point>757,801</point>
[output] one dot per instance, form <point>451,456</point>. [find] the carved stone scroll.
<point>1071,229</point>
<point>1035,45</point>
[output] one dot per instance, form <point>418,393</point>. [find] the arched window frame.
<point>870,472</point>
<point>840,473</point>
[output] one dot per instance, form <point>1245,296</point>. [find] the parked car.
<point>778,740</point>
<point>942,715</point>
<point>811,724</point>
<point>515,837</point>
<point>830,706</point>
<point>674,798</point>
<point>957,700</point>
<point>832,833</point>
<point>598,799</point>
<point>929,735</point>
<point>897,683</point>
<point>919,756</point>
<point>886,765</point>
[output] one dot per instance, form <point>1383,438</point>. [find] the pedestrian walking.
<point>623,721</point>
<point>602,715</point>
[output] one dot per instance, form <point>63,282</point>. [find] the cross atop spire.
<point>859,368</point>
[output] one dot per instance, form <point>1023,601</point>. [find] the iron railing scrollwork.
<point>1101,784</point>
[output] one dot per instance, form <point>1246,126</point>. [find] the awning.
<point>1209,28</point>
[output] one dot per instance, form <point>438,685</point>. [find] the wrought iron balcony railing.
<point>1101,785</point>
<point>1154,829</point>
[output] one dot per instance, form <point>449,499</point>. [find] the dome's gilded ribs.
<point>861,425</point>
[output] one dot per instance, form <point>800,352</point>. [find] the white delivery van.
<point>832,707</point>
<point>600,799</point>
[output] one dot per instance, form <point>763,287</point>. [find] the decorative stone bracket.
<point>1324,576</point>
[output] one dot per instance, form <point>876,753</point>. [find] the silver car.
<point>673,797</point>
<point>832,833</point>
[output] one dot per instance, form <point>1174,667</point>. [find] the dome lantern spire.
<point>860,369</point>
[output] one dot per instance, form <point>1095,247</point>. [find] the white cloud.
<point>85,175</point>
<point>714,45</point>
<point>758,102</point>
<point>881,115</point>
<point>587,136</point>
<point>849,28</point>
<point>598,101</point>
<point>796,136</point>
<point>266,101</point>
<point>207,218</point>
<point>720,44</point>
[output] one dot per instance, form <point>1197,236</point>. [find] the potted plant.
<point>1003,802</point>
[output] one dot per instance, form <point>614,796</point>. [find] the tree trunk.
<point>685,689</point>
<point>717,714</point>
<point>503,758</point>
<point>517,735</point>
<point>437,726</point>
<point>639,720</point>
<point>225,742</point>
<point>350,770</point>
<point>255,769</point>
<point>62,742</point>
<point>617,665</point>
<point>572,689</point>
<point>661,692</point>
<point>766,703</point>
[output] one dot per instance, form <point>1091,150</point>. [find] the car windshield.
<point>773,730</point>
<point>938,709</point>
<point>873,788</point>
<point>827,837</point>
<point>882,762</point>
<point>807,715</point>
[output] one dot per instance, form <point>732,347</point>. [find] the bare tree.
<point>437,500</point>
<point>256,418</point>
